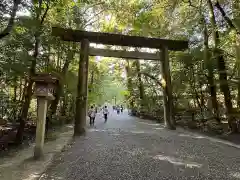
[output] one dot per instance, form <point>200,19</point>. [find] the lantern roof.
<point>45,78</point>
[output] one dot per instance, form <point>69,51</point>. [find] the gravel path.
<point>133,149</point>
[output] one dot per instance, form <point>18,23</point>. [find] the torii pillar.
<point>82,89</point>
<point>167,90</point>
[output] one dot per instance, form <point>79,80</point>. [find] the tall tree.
<point>218,54</point>
<point>140,85</point>
<point>10,23</point>
<point>41,14</point>
<point>210,75</point>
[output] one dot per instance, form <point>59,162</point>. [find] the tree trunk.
<point>202,98</point>
<point>236,18</point>
<point>236,30</point>
<point>195,91</point>
<point>15,85</point>
<point>222,70</point>
<point>64,106</point>
<point>129,85</point>
<point>167,90</point>
<point>20,90</point>
<point>210,76</point>
<point>24,112</point>
<point>59,88</point>
<point>231,23</point>
<point>140,86</point>
<point>29,92</point>
<point>91,80</point>
<point>81,101</point>
<point>59,53</point>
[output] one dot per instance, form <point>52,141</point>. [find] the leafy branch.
<point>9,27</point>
<point>230,23</point>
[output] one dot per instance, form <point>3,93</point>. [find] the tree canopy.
<point>205,78</point>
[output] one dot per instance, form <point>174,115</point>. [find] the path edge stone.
<point>26,168</point>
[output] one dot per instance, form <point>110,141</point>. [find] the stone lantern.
<point>44,89</point>
<point>45,85</point>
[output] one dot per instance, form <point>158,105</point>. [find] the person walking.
<point>96,109</point>
<point>121,108</point>
<point>118,109</point>
<point>92,115</point>
<point>105,113</point>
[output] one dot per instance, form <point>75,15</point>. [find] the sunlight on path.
<point>131,148</point>
<point>215,140</point>
<point>235,175</point>
<point>177,162</point>
<point>190,134</point>
<point>150,124</point>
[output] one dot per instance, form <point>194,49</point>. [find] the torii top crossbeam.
<point>118,39</point>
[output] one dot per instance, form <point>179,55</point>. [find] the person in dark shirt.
<point>121,108</point>
<point>118,109</point>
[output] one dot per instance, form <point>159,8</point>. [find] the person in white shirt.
<point>92,115</point>
<point>105,113</point>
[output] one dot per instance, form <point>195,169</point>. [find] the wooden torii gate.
<point>86,37</point>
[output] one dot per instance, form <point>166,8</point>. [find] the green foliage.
<point>166,19</point>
